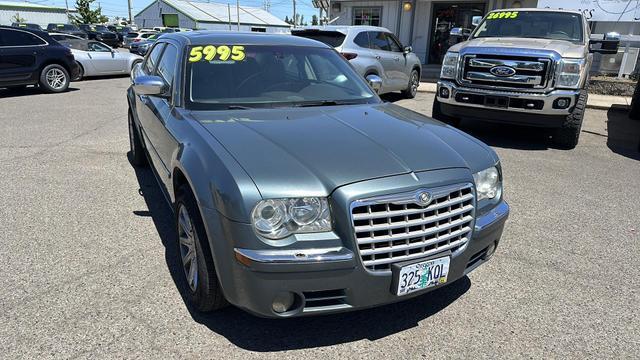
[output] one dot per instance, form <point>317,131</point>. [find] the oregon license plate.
<point>422,275</point>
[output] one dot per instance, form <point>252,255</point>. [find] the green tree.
<point>314,20</point>
<point>286,19</point>
<point>18,19</point>
<point>86,15</point>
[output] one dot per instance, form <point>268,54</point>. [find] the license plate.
<point>422,275</point>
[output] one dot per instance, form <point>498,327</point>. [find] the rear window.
<point>331,38</point>
<point>18,38</point>
<point>132,34</point>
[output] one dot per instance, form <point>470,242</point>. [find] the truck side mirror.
<point>475,20</point>
<point>459,32</point>
<point>608,45</point>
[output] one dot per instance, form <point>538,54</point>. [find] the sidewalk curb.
<point>431,88</point>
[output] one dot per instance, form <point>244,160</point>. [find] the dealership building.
<point>31,13</point>
<point>425,24</point>
<point>209,15</point>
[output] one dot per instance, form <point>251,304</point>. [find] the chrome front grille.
<point>396,228</point>
<point>530,73</point>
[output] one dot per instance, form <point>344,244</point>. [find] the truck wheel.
<point>566,137</point>
<point>54,78</point>
<point>634,112</point>
<point>437,114</point>
<point>136,156</point>
<point>412,88</point>
<point>204,291</point>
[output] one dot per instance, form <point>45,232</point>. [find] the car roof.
<point>342,28</point>
<point>540,10</point>
<point>34,31</point>
<point>240,38</point>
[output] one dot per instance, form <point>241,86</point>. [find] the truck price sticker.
<point>503,15</point>
<point>222,52</point>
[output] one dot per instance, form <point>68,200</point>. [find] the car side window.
<point>151,61</point>
<point>379,41</point>
<point>97,47</point>
<point>19,38</point>
<point>394,43</point>
<point>167,64</point>
<point>362,40</point>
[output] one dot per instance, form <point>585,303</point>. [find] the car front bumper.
<point>537,109</point>
<point>325,280</point>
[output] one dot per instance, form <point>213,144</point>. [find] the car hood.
<point>312,151</point>
<point>563,48</point>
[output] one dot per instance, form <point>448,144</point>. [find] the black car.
<point>66,29</point>
<point>100,33</point>
<point>28,26</point>
<point>32,57</point>
<point>121,31</point>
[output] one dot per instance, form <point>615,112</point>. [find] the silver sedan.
<point>97,59</point>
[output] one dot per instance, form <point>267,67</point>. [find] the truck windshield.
<point>228,77</point>
<point>531,24</point>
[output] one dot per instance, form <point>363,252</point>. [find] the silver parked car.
<point>372,51</point>
<point>96,58</point>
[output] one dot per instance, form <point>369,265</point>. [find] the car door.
<point>388,59</point>
<point>103,58</point>
<point>146,108</point>
<point>403,69</point>
<point>19,51</point>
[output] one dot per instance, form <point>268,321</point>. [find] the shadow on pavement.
<point>31,90</point>
<point>509,136</point>
<point>264,335</point>
<point>623,133</point>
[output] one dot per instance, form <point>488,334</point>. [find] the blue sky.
<point>112,8</point>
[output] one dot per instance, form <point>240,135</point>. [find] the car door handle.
<point>396,58</point>
<point>377,57</point>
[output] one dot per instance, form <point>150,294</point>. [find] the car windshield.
<point>331,38</point>
<point>101,28</point>
<point>531,24</point>
<point>223,77</point>
<point>67,27</point>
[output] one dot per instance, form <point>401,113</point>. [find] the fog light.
<point>562,103</point>
<point>444,92</point>
<point>283,302</point>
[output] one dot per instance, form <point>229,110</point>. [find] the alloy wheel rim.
<point>188,254</point>
<point>414,83</point>
<point>56,78</point>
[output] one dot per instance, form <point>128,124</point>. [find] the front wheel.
<point>204,290</point>
<point>54,78</point>
<point>566,137</point>
<point>412,88</point>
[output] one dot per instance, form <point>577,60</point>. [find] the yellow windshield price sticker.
<point>220,52</point>
<point>503,15</point>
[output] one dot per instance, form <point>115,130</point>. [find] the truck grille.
<point>397,228</point>
<point>529,73</point>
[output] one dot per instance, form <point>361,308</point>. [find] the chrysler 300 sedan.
<point>296,190</point>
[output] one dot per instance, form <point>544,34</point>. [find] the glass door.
<point>447,16</point>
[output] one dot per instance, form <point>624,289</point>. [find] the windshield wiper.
<point>326,103</point>
<point>239,107</point>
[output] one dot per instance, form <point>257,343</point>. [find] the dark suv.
<point>31,26</point>
<point>100,33</point>
<point>66,29</point>
<point>31,57</point>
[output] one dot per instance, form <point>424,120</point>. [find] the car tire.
<point>436,113</point>
<point>137,155</point>
<point>54,79</point>
<point>204,292</point>
<point>80,73</point>
<point>567,136</point>
<point>412,88</point>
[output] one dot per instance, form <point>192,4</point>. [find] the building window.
<point>367,16</point>
<point>258,29</point>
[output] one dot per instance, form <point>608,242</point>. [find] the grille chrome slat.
<point>516,64</point>
<point>515,79</point>
<point>390,213</point>
<point>416,245</point>
<point>393,228</point>
<point>387,261</point>
<point>531,73</point>
<point>413,234</point>
<point>427,220</point>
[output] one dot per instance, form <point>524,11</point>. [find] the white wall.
<point>40,17</point>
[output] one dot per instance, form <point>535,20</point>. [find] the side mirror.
<point>407,49</point>
<point>475,20</point>
<point>608,45</point>
<point>612,36</point>
<point>375,82</point>
<point>149,85</point>
<point>456,31</point>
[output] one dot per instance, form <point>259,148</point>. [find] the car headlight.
<point>570,73</point>
<point>449,66</point>
<point>279,218</point>
<point>488,184</point>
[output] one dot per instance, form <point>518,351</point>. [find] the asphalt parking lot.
<point>89,270</point>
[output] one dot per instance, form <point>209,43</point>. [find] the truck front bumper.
<point>329,280</point>
<point>537,109</point>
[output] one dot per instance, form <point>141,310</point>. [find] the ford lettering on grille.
<point>502,71</point>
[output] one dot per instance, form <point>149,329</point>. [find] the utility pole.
<point>238,13</point>
<point>130,17</point>
<point>66,5</point>
<point>295,20</point>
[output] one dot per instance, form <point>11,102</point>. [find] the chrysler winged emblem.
<point>423,198</point>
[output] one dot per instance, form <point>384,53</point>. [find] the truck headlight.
<point>449,66</point>
<point>488,184</point>
<point>570,73</point>
<point>279,218</point>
